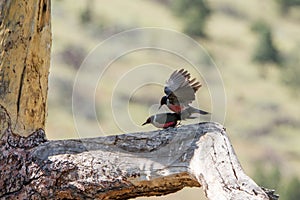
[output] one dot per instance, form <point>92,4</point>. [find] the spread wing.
<point>180,89</point>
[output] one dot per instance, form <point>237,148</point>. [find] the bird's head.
<point>163,101</point>
<point>148,121</point>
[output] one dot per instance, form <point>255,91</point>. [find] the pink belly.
<point>166,125</point>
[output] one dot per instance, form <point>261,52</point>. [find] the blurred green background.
<point>255,44</point>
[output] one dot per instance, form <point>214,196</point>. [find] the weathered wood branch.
<point>124,166</point>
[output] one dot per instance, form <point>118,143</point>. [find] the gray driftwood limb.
<point>124,166</point>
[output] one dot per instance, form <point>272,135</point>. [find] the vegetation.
<point>292,191</point>
<point>291,73</point>
<point>194,13</point>
<point>285,5</point>
<point>289,189</point>
<point>86,15</point>
<point>268,178</point>
<point>265,50</point>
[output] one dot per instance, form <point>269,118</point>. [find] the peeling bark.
<point>25,45</point>
<point>124,166</point>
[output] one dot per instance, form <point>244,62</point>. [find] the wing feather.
<point>180,88</point>
<point>178,79</point>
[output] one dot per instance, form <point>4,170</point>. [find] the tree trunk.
<point>25,34</point>
<point>125,166</point>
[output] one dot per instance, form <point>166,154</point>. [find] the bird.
<point>163,120</point>
<point>180,92</point>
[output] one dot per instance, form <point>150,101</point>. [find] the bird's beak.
<point>148,121</point>
<point>159,107</point>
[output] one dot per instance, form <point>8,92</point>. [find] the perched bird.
<point>180,92</point>
<point>163,120</point>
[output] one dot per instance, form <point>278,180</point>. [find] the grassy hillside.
<point>262,112</point>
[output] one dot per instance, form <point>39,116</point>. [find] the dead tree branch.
<point>124,166</point>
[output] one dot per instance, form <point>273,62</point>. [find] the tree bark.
<point>25,46</point>
<point>124,166</point>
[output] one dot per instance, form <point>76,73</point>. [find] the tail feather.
<point>192,110</point>
<point>202,112</point>
<point>186,114</point>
